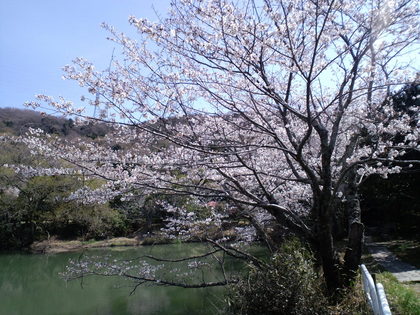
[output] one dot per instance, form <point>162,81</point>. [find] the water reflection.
<point>29,284</point>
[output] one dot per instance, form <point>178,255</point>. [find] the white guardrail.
<point>375,293</point>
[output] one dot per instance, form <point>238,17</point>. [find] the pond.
<point>30,284</point>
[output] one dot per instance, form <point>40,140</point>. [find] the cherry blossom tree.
<point>278,108</point>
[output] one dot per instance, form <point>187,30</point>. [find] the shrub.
<point>288,284</point>
<point>97,221</point>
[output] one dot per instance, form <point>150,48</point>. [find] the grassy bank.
<point>402,298</point>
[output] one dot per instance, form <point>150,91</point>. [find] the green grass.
<point>402,299</point>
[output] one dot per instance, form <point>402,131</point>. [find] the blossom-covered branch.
<point>275,106</point>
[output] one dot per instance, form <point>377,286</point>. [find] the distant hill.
<point>18,121</point>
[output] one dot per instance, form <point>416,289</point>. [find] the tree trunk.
<point>330,262</point>
<point>325,242</point>
<point>353,253</point>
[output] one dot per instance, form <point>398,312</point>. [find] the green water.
<point>30,284</point>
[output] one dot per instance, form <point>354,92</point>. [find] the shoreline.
<point>53,246</point>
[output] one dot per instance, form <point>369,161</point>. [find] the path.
<point>402,271</point>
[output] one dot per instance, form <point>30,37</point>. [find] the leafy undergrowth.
<point>290,284</point>
<point>402,299</point>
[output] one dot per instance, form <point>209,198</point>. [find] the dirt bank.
<point>58,246</point>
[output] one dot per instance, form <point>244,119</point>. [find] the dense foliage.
<point>391,206</point>
<point>37,207</point>
<point>288,285</point>
<point>291,284</point>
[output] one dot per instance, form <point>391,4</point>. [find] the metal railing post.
<point>375,293</point>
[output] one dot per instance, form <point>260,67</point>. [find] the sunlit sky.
<point>37,38</point>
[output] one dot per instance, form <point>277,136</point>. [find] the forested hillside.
<point>34,207</point>
<point>17,121</point>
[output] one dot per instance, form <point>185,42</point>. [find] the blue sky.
<point>37,38</point>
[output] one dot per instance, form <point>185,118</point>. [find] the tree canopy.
<point>277,109</point>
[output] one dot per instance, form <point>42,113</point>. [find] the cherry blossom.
<point>274,107</point>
